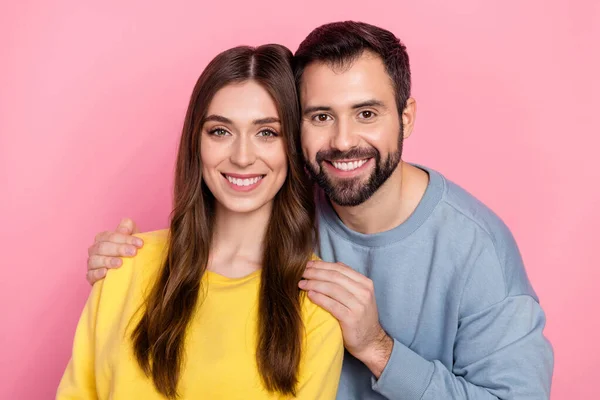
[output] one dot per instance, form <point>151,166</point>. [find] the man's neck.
<point>390,205</point>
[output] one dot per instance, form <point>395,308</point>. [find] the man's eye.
<point>321,118</point>
<point>367,114</point>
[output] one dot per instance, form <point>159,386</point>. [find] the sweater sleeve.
<point>323,353</point>
<point>499,349</point>
<point>500,353</point>
<point>79,381</point>
<point>111,303</point>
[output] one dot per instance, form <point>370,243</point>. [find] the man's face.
<point>351,130</point>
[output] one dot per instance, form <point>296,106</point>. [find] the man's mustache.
<point>352,154</point>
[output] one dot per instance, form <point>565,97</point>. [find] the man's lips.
<point>348,168</point>
<point>348,165</point>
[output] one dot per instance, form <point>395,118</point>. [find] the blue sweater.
<point>452,292</point>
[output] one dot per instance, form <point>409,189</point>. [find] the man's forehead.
<point>364,61</point>
<point>365,78</point>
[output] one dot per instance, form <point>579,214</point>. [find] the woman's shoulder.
<point>141,268</point>
<point>316,317</point>
<point>159,237</point>
<point>118,297</point>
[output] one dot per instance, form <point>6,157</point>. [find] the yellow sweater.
<point>220,343</point>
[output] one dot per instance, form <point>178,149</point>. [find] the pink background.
<point>92,98</point>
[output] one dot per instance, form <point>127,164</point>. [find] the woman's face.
<point>243,155</point>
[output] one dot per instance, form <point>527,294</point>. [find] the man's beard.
<point>350,192</point>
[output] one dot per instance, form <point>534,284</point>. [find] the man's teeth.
<point>348,166</point>
<point>244,182</point>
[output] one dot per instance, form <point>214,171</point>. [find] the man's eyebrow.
<point>217,118</point>
<point>313,109</point>
<point>368,103</point>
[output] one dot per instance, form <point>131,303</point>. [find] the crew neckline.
<point>222,279</point>
<point>431,198</point>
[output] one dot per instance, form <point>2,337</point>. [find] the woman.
<point>211,308</point>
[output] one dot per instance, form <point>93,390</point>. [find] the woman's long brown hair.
<point>159,337</point>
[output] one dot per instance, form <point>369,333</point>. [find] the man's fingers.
<point>119,238</point>
<point>109,246</point>
<point>110,249</point>
<point>127,226</point>
<point>95,262</point>
<point>95,275</point>
<point>331,275</point>
<point>361,291</point>
<point>332,290</point>
<point>339,267</point>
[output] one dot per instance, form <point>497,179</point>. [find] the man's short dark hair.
<point>341,43</point>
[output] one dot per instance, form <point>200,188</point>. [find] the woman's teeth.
<point>243,182</point>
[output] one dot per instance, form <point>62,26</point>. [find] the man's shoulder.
<point>468,211</point>
<point>479,229</point>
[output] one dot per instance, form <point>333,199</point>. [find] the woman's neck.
<point>237,241</point>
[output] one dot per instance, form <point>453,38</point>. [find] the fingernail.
<point>309,264</point>
<point>138,242</point>
<point>115,262</point>
<point>130,251</point>
<point>302,283</point>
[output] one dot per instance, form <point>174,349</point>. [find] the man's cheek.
<point>306,154</point>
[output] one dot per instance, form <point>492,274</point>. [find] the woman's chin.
<point>244,206</point>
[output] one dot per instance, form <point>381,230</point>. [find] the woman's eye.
<point>267,133</point>
<point>321,117</point>
<point>219,132</point>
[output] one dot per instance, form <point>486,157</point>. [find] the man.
<point>427,283</point>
